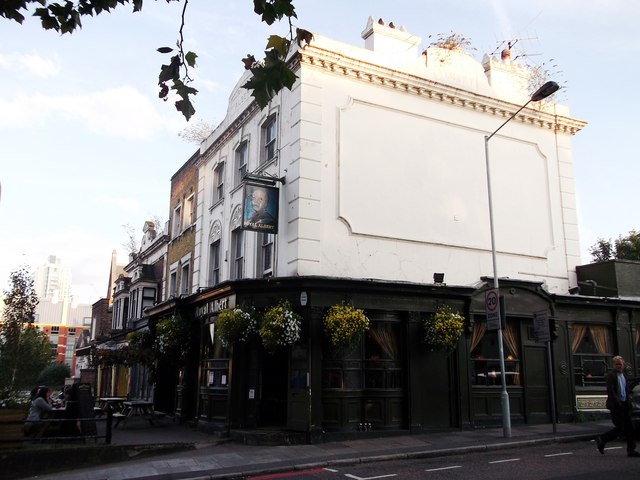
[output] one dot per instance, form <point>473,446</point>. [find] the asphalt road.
<point>577,460</point>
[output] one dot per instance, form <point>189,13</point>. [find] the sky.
<point>87,147</point>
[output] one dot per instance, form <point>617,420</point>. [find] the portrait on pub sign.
<point>260,208</point>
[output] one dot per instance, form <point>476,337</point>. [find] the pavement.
<point>191,454</point>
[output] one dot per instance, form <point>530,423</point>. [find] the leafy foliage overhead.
<point>624,248</point>
<point>269,76</point>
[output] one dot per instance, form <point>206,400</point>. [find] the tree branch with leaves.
<point>269,75</point>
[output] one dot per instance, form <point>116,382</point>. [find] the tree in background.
<point>24,349</point>
<point>53,375</point>
<point>624,248</point>
<point>269,75</point>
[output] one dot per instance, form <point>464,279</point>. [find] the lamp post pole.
<point>543,92</point>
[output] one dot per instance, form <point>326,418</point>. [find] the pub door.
<point>536,387</point>
<point>272,389</point>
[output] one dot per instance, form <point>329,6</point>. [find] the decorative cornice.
<point>229,132</point>
<point>338,64</point>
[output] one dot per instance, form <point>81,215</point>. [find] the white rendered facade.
<point>382,153</point>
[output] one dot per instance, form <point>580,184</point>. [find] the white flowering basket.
<point>280,327</point>
<point>443,329</point>
<point>235,325</point>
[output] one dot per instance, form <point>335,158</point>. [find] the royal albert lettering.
<point>214,306</point>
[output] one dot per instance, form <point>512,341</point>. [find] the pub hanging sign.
<point>260,208</point>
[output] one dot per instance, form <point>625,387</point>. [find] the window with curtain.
<point>591,350</point>
<point>382,367</point>
<point>485,355</point>
<point>374,363</point>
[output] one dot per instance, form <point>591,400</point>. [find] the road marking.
<point>287,474</point>
<point>506,460</point>
<point>443,468</point>
<point>369,478</point>
<point>331,470</point>
<point>559,454</point>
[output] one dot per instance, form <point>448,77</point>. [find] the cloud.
<point>116,112</point>
<point>32,63</point>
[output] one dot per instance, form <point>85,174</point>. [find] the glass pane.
<point>374,378</point>
<point>381,341</point>
<point>332,378</point>
<point>353,379</point>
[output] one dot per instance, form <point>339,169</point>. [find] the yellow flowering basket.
<point>344,324</point>
<point>443,329</point>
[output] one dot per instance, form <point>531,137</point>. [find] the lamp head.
<point>544,91</point>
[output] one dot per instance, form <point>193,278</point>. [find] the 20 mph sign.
<point>492,308</point>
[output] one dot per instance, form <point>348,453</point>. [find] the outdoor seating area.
<point>135,409</point>
<point>124,410</point>
<point>104,403</point>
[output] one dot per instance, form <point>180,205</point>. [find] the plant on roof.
<point>452,41</point>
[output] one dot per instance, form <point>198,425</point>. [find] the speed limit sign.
<point>492,308</point>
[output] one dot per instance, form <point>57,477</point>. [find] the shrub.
<point>54,374</point>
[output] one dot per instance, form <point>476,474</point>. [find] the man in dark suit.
<point>619,404</point>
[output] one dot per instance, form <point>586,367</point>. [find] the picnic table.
<point>135,408</point>
<point>116,403</point>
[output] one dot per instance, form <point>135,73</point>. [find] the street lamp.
<point>543,92</point>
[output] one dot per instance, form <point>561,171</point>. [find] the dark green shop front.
<point>390,381</point>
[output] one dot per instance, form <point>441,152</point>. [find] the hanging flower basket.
<point>345,325</point>
<point>279,327</point>
<point>235,325</point>
<point>141,347</point>
<point>172,337</point>
<point>443,329</point>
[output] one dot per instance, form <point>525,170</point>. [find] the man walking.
<point>619,404</point>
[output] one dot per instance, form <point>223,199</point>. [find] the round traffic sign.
<point>491,300</point>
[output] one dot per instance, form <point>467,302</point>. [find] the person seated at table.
<point>39,405</point>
